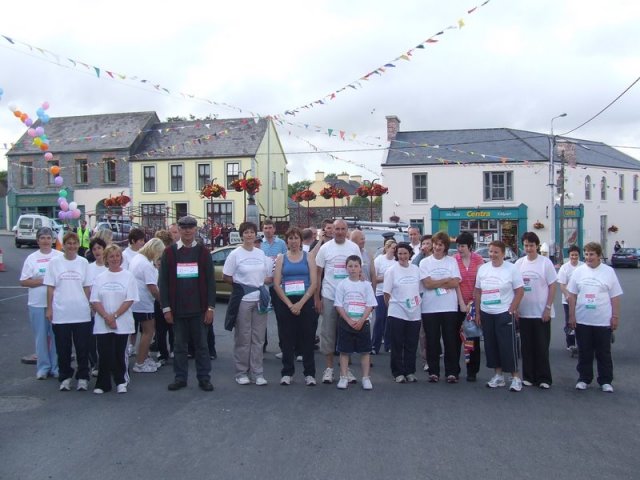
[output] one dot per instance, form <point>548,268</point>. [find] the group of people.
<point>411,296</point>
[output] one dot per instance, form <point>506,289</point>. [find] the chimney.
<point>393,126</point>
<point>319,177</point>
<point>344,177</point>
<point>356,178</point>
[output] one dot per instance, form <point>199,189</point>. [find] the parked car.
<point>219,256</point>
<point>509,254</point>
<point>120,230</point>
<point>374,239</point>
<point>27,226</point>
<point>626,257</point>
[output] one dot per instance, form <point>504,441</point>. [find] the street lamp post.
<point>552,146</point>
<point>371,200</point>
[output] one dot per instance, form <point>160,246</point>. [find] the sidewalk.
<point>7,233</point>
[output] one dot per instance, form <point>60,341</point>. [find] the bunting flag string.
<point>406,56</point>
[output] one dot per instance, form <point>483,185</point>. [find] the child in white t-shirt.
<point>354,301</point>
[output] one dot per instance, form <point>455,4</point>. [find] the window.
<point>233,173</point>
<point>220,212</point>
<point>204,174</point>
<point>148,178</point>
<point>603,188</point>
<point>587,187</point>
<point>52,177</point>
<point>282,181</point>
<point>621,187</point>
<point>153,215</point>
<point>109,168</point>
<point>26,174</point>
<point>82,170</point>
<point>420,187</point>
<point>273,180</point>
<point>498,186</point>
<point>176,178</point>
<point>635,188</point>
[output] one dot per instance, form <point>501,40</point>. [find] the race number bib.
<point>356,309</point>
<point>441,291</point>
<point>340,270</point>
<point>294,287</point>
<point>527,284</point>
<point>187,270</point>
<point>590,301</point>
<point>413,302</point>
<point>491,297</point>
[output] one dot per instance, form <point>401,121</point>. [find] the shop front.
<point>486,224</point>
<point>41,203</point>
<point>572,227</point>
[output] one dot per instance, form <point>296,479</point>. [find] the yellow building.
<point>180,157</point>
<point>345,181</point>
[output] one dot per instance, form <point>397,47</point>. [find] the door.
<point>180,210</point>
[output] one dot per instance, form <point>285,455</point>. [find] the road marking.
<point>14,287</point>
<point>11,298</point>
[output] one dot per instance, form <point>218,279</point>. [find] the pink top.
<point>468,275</point>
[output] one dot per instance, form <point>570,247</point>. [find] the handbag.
<point>469,326</point>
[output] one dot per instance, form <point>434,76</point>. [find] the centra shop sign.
<point>44,200</point>
<point>508,213</point>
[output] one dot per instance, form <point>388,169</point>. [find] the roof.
<point>495,145</point>
<point>87,133</point>
<point>237,137</point>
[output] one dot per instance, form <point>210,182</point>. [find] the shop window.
<point>153,215</point>
<point>420,191</point>
<point>498,186</point>
<point>220,212</point>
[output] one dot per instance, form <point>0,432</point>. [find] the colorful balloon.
<point>45,105</point>
<point>37,141</point>
<point>64,206</point>
<point>48,156</point>
<point>61,215</point>
<point>45,118</point>
<point>31,132</point>
<point>58,181</point>
<point>75,214</point>
<point>63,193</point>
<point>60,200</point>
<point>44,147</point>
<point>73,205</point>
<point>39,131</point>
<point>55,170</point>
<point>28,122</point>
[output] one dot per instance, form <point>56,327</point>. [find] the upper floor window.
<point>149,178</point>
<point>176,178</point>
<point>26,174</point>
<point>82,170</point>
<point>621,187</point>
<point>282,181</point>
<point>603,188</point>
<point>273,180</point>
<point>233,172</point>
<point>498,186</point>
<point>635,188</point>
<point>204,174</point>
<point>51,176</point>
<point>587,187</point>
<point>109,169</point>
<point>420,187</point>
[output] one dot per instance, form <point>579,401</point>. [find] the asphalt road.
<point>410,431</point>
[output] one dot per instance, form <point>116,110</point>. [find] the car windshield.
<point>627,251</point>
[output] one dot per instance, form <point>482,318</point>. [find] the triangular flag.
<point>460,23</point>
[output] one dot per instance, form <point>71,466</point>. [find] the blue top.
<point>295,271</point>
<point>273,249</point>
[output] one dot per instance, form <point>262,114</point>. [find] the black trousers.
<point>592,341</point>
<point>473,366</point>
<point>535,336</point>
<point>186,327</point>
<point>445,325</point>
<point>112,349</point>
<point>404,345</point>
<point>163,329</point>
<point>297,334</point>
<point>68,336</point>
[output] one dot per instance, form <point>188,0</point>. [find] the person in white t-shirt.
<point>564,275</point>
<point>32,276</point>
<point>331,261</point>
<point>95,268</point>
<point>136,242</point>
<point>535,312</point>
<point>249,266</point>
<point>497,295</point>
<point>440,278</point>
<point>402,295</point>
<point>381,264</point>
<point>594,312</point>
<point>143,268</point>
<point>68,310</point>
<point>414,240</point>
<point>112,295</point>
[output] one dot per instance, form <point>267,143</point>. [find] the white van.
<point>27,226</point>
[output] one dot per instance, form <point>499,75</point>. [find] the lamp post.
<point>552,146</point>
<point>244,175</point>
<point>371,199</point>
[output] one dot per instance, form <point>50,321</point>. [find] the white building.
<point>495,183</point>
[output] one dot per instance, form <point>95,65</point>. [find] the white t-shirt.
<point>564,275</point>
<point>127,256</point>
<point>35,266</point>
<point>382,264</point>
<point>437,300</point>
<point>497,285</point>
<point>112,289</point>
<point>93,270</point>
<point>145,274</point>
<point>595,287</point>
<point>403,284</point>
<point>537,275</point>
<point>249,268</point>
<point>355,297</point>
<point>332,257</point>
<point>70,304</point>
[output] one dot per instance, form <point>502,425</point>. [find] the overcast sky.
<point>513,64</point>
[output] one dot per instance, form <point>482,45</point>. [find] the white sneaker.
<point>279,355</point>
<point>496,381</point>
<point>425,367</point>
<point>366,383</point>
<point>65,385</point>
<point>261,381</point>
<point>83,385</point>
<point>98,391</point>
<point>351,377</point>
<point>285,380</point>
<point>401,379</point>
<point>581,386</point>
<point>299,358</point>
<point>152,362</point>
<point>243,380</point>
<point>527,383</point>
<point>309,381</point>
<point>327,376</point>
<point>144,368</point>
<point>131,350</point>
<point>516,384</point>
<point>544,386</point>
<point>607,388</point>
<point>122,388</point>
<point>343,382</point>
<point>411,378</point>
<point>94,372</point>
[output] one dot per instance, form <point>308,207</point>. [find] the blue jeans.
<point>381,327</point>
<point>45,342</point>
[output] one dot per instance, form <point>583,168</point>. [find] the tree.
<point>331,177</point>
<point>297,186</point>
<point>357,201</point>
<point>3,176</point>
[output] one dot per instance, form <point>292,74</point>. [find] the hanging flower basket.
<point>538,225</point>
<point>237,185</point>
<point>613,229</point>
<point>251,185</point>
<point>333,192</point>
<point>118,201</point>
<point>306,195</point>
<point>213,190</point>
<point>394,218</point>
<point>371,190</point>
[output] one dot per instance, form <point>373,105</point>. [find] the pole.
<point>552,232</point>
<point>561,219</point>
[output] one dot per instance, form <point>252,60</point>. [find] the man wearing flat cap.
<point>187,297</point>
